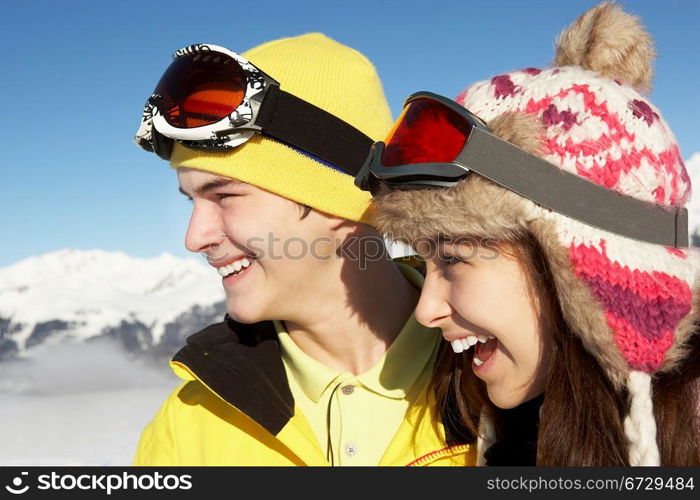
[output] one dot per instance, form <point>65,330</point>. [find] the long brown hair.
<point>581,422</point>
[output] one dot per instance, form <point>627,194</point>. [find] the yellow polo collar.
<point>394,374</point>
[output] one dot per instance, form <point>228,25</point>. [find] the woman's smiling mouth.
<point>463,344</point>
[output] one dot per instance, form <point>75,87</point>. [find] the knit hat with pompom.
<point>633,304</point>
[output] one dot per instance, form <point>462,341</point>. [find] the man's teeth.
<point>234,267</point>
<point>461,345</point>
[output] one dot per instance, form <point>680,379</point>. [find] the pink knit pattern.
<point>622,143</point>
<point>642,309</point>
<point>608,133</point>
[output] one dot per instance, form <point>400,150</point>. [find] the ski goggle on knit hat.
<point>212,98</point>
<point>437,142</point>
<point>577,156</point>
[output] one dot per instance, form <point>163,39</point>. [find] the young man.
<point>319,359</point>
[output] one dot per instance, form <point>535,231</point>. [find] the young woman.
<point>555,242</point>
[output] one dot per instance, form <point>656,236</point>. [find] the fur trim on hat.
<point>687,326</point>
<point>474,207</point>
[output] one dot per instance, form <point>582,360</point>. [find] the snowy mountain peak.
<point>87,291</point>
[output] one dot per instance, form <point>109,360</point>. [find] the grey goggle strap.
<point>571,195</point>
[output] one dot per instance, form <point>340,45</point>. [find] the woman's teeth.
<point>462,345</point>
<point>233,268</point>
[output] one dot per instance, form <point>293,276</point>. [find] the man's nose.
<point>205,232</point>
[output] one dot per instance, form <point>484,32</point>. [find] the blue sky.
<point>76,74</point>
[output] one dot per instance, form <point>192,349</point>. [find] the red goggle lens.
<point>426,132</point>
<point>201,89</point>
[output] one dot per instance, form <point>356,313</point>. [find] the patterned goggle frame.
<point>208,97</point>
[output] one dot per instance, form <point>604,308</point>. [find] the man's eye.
<point>222,196</point>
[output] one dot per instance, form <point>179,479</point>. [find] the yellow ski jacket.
<point>235,407</point>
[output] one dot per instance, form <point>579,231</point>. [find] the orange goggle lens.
<point>201,89</point>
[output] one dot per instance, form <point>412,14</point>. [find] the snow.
<point>692,165</point>
<point>80,404</point>
<point>95,289</point>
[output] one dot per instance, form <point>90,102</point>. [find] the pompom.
<point>611,42</point>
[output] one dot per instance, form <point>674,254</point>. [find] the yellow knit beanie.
<point>329,75</point>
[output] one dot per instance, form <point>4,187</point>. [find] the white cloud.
<point>55,369</point>
<point>77,404</point>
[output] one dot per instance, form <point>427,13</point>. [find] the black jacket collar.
<point>243,365</point>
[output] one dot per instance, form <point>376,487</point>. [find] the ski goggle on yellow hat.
<point>211,98</point>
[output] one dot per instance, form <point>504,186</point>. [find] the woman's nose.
<point>432,308</point>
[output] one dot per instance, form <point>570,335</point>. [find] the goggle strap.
<point>571,195</point>
<point>299,123</point>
